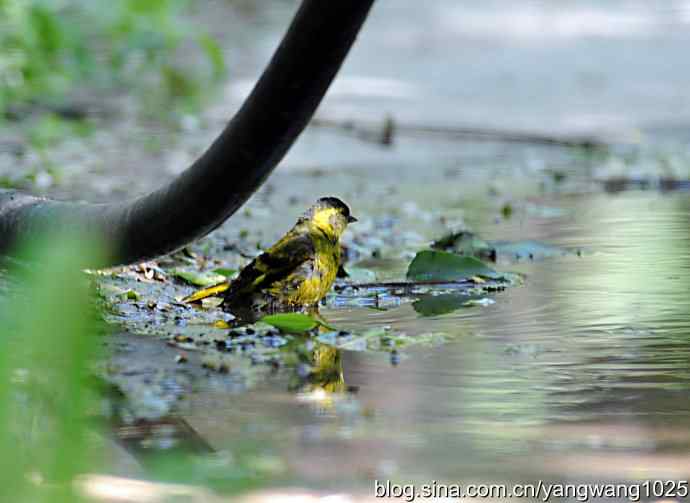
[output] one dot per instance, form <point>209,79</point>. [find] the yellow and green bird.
<point>297,271</point>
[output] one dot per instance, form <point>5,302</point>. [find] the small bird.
<point>299,270</point>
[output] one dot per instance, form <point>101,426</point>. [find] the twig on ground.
<point>385,134</point>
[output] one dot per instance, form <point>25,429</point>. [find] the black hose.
<point>232,169</point>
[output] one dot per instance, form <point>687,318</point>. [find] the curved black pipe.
<point>237,163</point>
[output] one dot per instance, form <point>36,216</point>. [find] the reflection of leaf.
<point>292,323</point>
<point>441,266</point>
<point>434,305</point>
<point>198,278</point>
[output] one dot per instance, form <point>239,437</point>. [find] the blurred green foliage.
<point>50,48</point>
<point>48,339</point>
<point>52,400</point>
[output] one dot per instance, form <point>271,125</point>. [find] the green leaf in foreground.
<point>292,323</point>
<point>431,265</point>
<point>52,341</point>
<point>198,278</point>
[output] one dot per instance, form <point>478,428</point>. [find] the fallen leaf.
<point>431,265</point>
<point>198,278</point>
<point>293,323</point>
<point>225,272</point>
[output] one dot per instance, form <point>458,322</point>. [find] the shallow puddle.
<point>584,370</point>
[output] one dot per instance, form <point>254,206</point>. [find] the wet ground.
<point>579,373</point>
<point>583,369</point>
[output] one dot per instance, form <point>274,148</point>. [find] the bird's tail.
<point>209,291</point>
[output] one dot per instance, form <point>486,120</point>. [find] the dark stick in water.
<point>231,170</point>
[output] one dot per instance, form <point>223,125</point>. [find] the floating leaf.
<point>198,278</point>
<point>132,295</point>
<point>292,323</point>
<point>431,265</point>
<point>225,272</point>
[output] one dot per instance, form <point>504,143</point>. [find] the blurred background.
<point>148,71</point>
<point>566,124</point>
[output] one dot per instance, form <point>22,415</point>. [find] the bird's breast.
<point>319,280</point>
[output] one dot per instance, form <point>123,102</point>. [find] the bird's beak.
<point>351,219</point>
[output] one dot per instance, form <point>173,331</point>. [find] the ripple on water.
<point>605,335</point>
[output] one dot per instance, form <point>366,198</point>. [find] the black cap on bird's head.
<point>334,202</point>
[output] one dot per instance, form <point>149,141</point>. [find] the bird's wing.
<point>274,264</point>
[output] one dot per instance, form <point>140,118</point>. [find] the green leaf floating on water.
<point>225,272</point>
<point>132,295</point>
<point>198,278</point>
<point>292,323</point>
<point>431,265</point>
